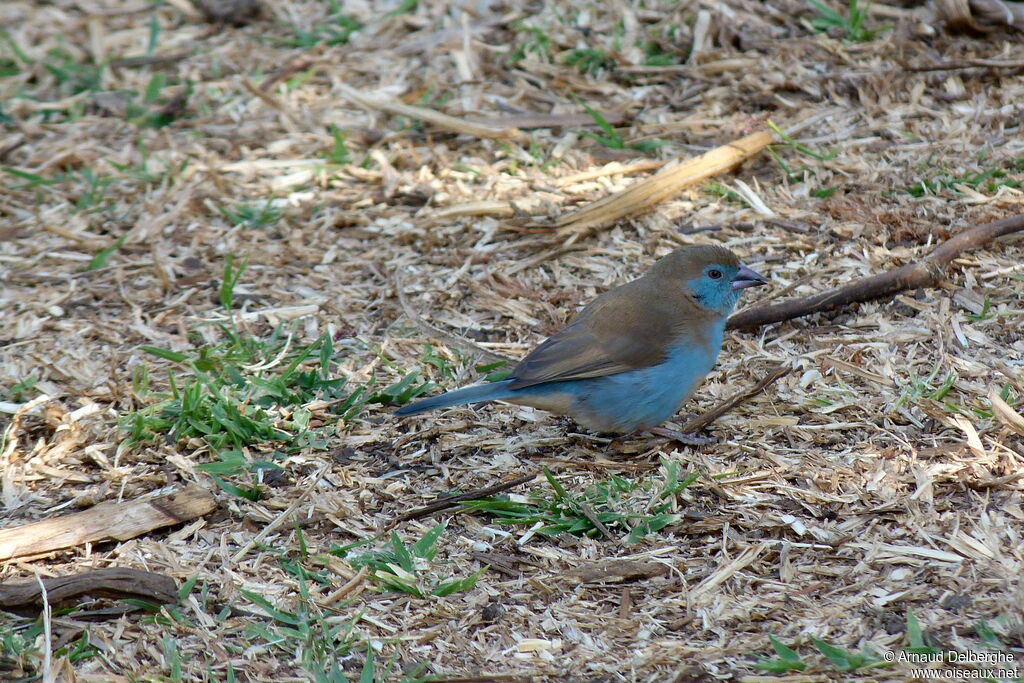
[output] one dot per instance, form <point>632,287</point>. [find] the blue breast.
<point>638,399</point>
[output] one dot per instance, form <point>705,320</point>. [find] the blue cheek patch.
<point>716,295</point>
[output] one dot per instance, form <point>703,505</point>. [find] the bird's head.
<point>710,275</point>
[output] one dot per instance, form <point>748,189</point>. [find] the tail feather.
<point>473,394</point>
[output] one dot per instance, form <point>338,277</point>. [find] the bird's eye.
<point>715,274</point>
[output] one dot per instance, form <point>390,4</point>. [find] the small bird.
<point>631,357</point>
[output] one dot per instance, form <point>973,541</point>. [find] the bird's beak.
<point>745,277</point>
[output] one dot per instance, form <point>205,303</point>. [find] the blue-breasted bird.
<point>632,356</point>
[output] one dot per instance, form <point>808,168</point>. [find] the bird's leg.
<point>683,437</point>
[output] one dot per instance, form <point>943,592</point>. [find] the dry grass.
<point>871,482</point>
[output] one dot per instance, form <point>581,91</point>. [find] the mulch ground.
<point>876,486</point>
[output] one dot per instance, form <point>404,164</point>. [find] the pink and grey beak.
<point>745,277</point>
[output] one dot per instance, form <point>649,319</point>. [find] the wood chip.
<point>111,520</point>
<point>644,195</point>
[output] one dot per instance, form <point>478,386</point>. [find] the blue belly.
<point>628,401</point>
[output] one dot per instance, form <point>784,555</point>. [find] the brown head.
<point>710,275</point>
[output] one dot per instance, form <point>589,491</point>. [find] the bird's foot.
<point>683,437</point>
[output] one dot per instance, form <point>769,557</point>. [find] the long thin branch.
<point>927,272</point>
<point>453,340</point>
<point>452,501</point>
<point>704,419</point>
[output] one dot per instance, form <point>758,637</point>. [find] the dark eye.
<point>715,274</point>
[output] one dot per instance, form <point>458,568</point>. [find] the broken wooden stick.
<point>26,597</point>
<point>927,272</point>
<point>645,194</point>
<point>106,521</point>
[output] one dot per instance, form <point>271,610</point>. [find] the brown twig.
<point>548,120</point>
<point>7,149</point>
<point>269,100</point>
<point>707,417</point>
<point>285,71</point>
<point>455,124</point>
<point>431,433</point>
<point>350,586</point>
<point>927,272</point>
<point>451,501</point>
<point>486,678</point>
<point>598,466</point>
<point>152,60</point>
<point>591,516</point>
<point>27,597</point>
<point>453,340</point>
<point>968,64</point>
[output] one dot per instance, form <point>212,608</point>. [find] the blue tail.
<point>479,392</point>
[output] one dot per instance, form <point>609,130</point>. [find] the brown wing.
<point>621,330</point>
